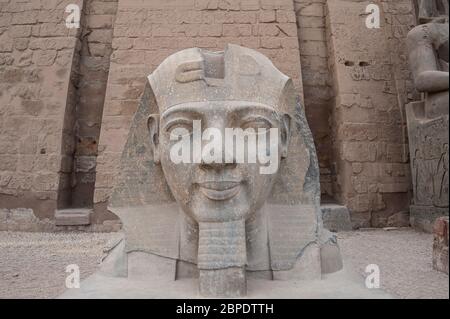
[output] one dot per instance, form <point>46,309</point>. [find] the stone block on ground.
<point>73,217</point>
<point>336,217</point>
<point>423,217</point>
<point>440,245</point>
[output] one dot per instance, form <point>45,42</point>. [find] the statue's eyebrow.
<point>178,120</point>
<point>180,111</point>
<point>197,109</point>
<point>258,111</point>
<point>251,107</point>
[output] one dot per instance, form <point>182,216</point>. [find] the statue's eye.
<point>256,124</point>
<point>179,127</point>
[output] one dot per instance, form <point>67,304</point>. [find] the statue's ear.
<point>153,129</point>
<point>285,134</point>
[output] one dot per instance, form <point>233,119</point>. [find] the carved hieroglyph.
<point>428,121</point>
<point>222,223</point>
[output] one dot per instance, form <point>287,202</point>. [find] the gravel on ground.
<point>33,265</point>
<point>404,259</point>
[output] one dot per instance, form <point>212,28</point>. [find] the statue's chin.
<point>219,206</point>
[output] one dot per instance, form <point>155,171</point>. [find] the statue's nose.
<point>223,155</point>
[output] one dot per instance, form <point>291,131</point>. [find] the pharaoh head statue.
<point>241,97</point>
<point>220,173</point>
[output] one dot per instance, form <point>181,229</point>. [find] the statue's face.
<point>225,189</point>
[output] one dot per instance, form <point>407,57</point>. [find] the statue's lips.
<point>220,190</point>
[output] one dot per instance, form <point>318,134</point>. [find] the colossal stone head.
<point>223,219</point>
<point>228,91</point>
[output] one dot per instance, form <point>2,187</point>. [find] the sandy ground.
<point>32,265</point>
<point>404,258</point>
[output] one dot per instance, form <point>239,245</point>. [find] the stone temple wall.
<point>37,54</point>
<point>67,96</point>
<point>372,84</point>
<point>317,85</point>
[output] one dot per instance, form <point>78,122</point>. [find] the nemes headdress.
<point>236,74</point>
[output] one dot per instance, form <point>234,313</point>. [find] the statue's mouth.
<point>220,190</point>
